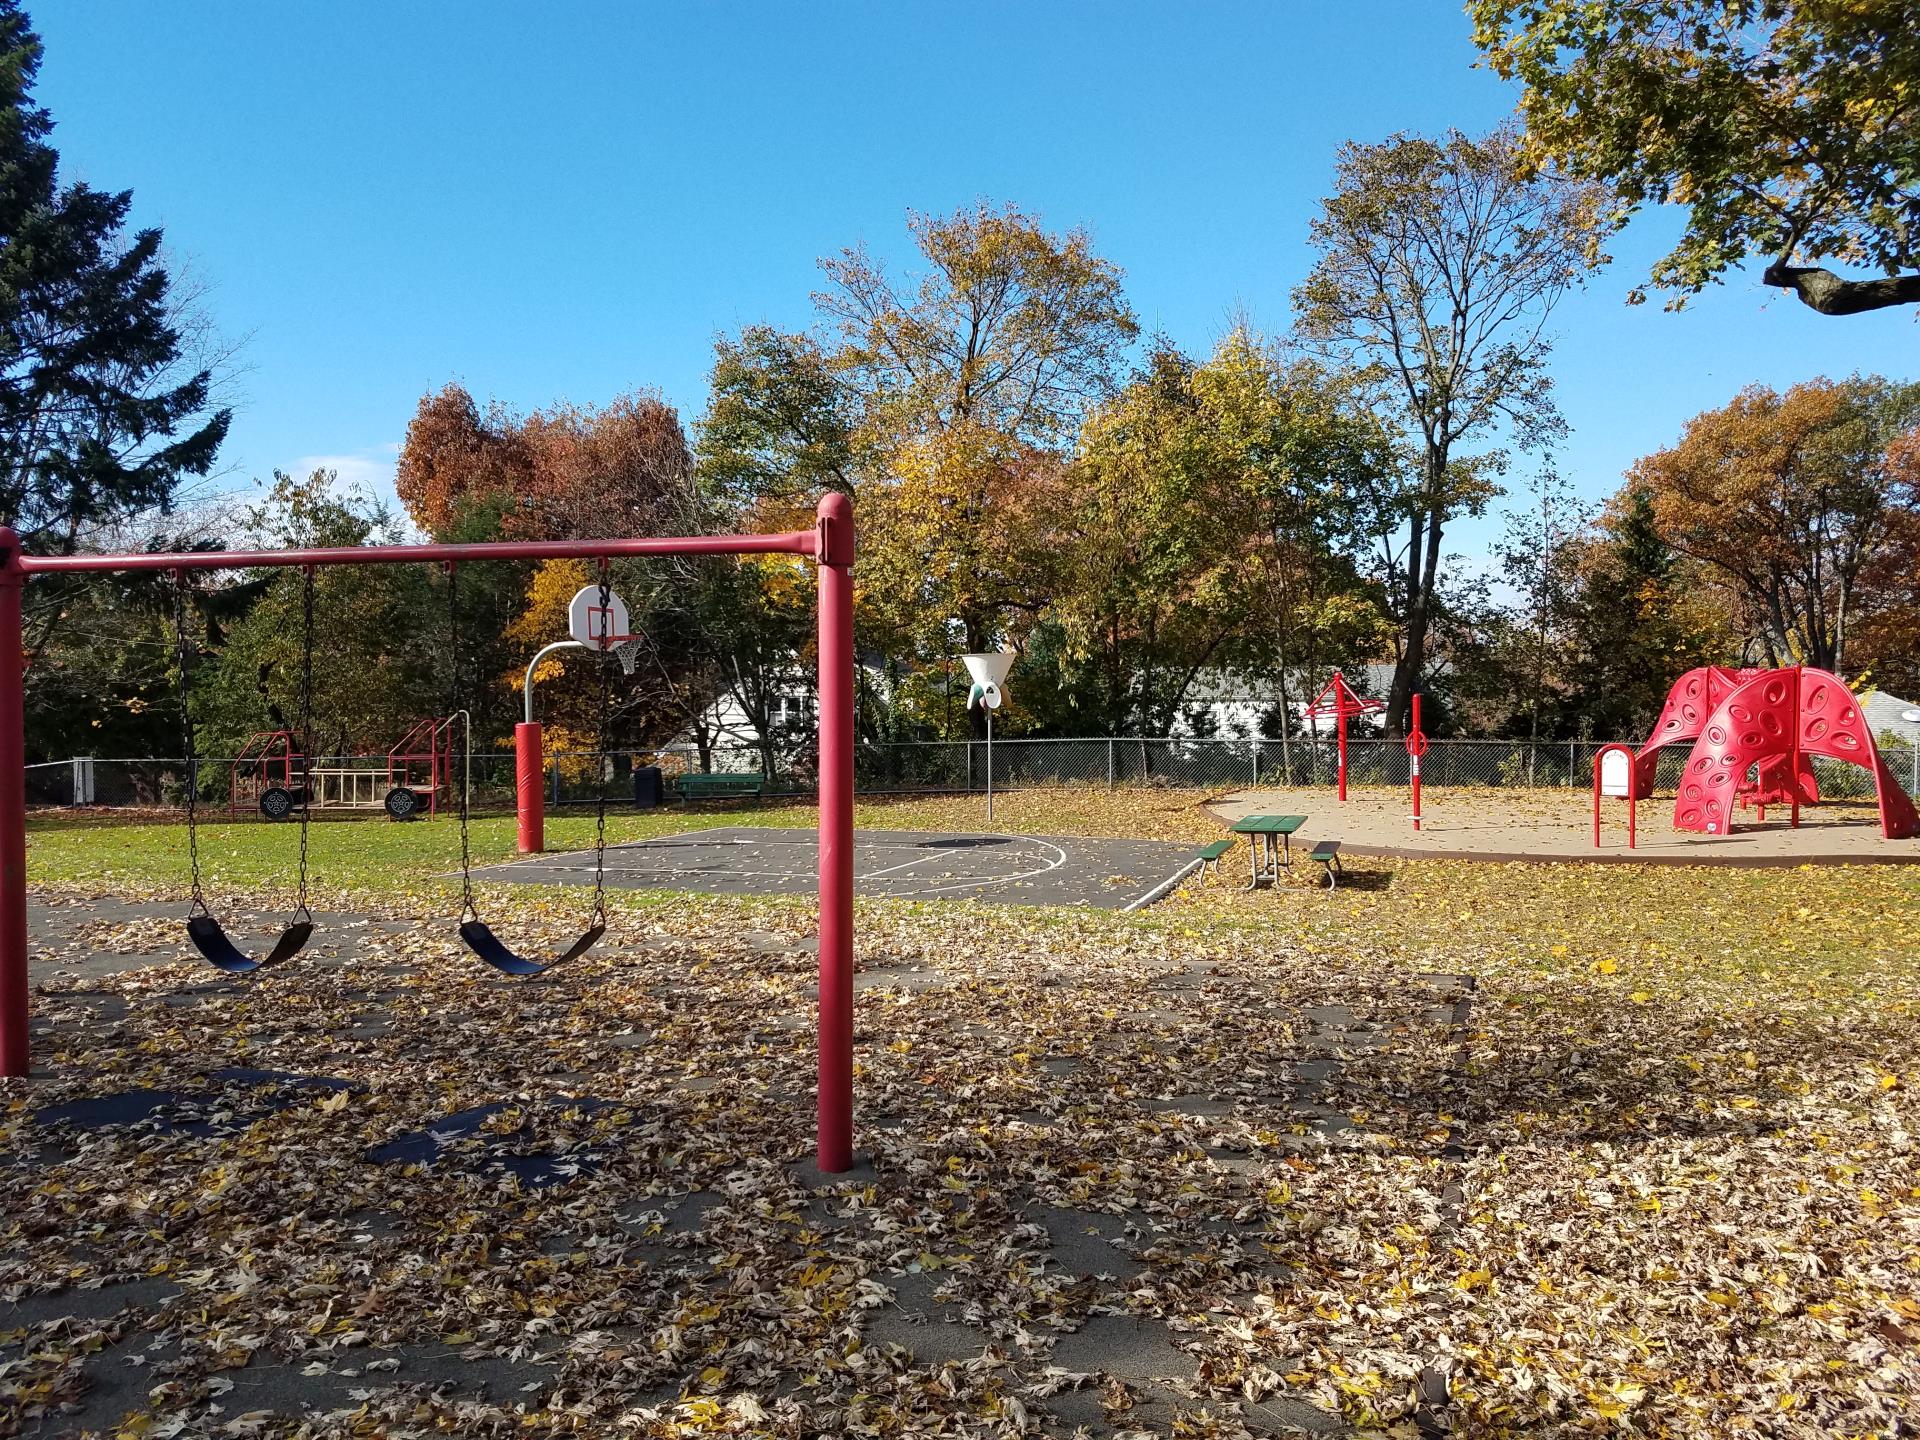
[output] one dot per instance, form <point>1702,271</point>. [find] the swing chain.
<point>467,907</point>
<point>306,739</point>
<point>183,653</point>
<point>599,912</point>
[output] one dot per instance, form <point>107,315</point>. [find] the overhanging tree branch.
<point>1832,294</point>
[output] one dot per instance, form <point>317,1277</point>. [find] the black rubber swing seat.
<point>211,941</point>
<point>481,940</point>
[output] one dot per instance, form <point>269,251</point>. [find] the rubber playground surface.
<point>892,864</point>
<point>1499,825</point>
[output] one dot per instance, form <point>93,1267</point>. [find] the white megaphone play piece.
<point>989,672</point>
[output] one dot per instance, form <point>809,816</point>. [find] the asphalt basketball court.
<point>893,864</point>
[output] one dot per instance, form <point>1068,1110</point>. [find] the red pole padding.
<point>529,786</point>
<point>13,816</point>
<point>835,1134</point>
<point>1341,723</point>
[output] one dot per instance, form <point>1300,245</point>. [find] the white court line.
<point>891,869</point>
<point>1059,859</point>
<point>1164,887</point>
<point>1010,877</point>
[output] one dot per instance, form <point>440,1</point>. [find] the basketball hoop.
<point>596,627</point>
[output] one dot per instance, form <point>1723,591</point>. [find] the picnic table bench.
<point>1270,844</point>
<point>719,785</point>
<point>1327,852</point>
<point>1210,857</point>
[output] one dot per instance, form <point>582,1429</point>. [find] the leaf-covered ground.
<point>1507,1149</point>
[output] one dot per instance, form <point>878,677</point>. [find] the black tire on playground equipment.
<point>276,802</point>
<point>401,803</point>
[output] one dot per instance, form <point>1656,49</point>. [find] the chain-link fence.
<point>1018,764</point>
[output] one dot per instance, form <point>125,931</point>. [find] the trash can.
<point>648,787</point>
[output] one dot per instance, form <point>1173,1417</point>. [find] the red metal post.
<point>1416,744</point>
<point>529,771</point>
<point>1340,726</point>
<point>835,551</point>
<point>1596,798</point>
<point>13,815</point>
<point>1793,759</point>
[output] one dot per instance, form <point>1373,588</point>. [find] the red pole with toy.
<point>1416,747</point>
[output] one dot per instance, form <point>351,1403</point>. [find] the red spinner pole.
<point>1340,729</point>
<point>1416,747</point>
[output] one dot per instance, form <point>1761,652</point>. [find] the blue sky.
<point>567,202</point>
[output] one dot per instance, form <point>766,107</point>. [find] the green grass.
<point>354,855</point>
<point>1830,934</point>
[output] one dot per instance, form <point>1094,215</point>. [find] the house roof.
<point>1887,714</point>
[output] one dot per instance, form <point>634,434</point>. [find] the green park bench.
<point>720,785</point>
<point>1210,857</point>
<point>1327,852</point>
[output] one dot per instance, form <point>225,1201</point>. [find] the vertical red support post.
<point>1793,759</point>
<point>1340,728</point>
<point>529,787</point>
<point>14,1059</point>
<point>1416,747</point>
<point>835,555</point>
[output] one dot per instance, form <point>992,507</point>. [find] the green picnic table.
<point>1268,845</point>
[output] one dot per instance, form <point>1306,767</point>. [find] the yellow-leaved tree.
<point>567,686</point>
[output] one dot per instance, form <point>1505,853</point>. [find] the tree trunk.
<point>1286,725</point>
<point>1422,561</point>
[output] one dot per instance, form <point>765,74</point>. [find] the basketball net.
<point>625,648</point>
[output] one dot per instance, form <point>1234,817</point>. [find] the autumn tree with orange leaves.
<point>1804,504</point>
<point>566,472</point>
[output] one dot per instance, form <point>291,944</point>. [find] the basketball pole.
<point>834,1138</point>
<point>530,764</point>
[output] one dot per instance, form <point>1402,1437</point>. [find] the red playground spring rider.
<point>1767,724</point>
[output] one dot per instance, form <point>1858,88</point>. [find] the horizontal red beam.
<point>798,542</point>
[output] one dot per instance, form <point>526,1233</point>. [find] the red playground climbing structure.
<point>1767,725</point>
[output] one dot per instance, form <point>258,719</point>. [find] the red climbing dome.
<point>1775,720</point>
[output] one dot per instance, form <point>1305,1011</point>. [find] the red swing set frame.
<point>830,543</point>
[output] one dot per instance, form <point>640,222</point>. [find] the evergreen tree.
<point>1639,616</point>
<point>97,419</point>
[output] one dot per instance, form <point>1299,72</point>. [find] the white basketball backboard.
<point>588,623</point>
